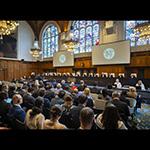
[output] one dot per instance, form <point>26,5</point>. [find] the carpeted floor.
<point>143,117</point>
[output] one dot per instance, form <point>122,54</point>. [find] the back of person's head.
<point>75,90</point>
<point>86,91</point>
<point>37,108</point>
<point>115,95</point>
<point>124,93</point>
<point>3,95</point>
<point>12,87</point>
<point>49,94</point>
<point>132,89</point>
<point>117,80</point>
<point>68,101</point>
<point>59,86</point>
<point>86,117</point>
<point>17,99</point>
<point>39,102</point>
<point>132,92</point>
<point>110,117</point>
<point>61,94</point>
<point>55,111</point>
<point>82,99</point>
<point>139,82</point>
<point>81,82</point>
<point>63,81</point>
<point>30,89</point>
<point>104,92</point>
<point>48,86</point>
<point>42,92</point>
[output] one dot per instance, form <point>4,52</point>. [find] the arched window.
<point>135,41</point>
<point>50,40</point>
<point>87,32</point>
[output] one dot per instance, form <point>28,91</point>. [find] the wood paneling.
<point>111,69</point>
<point>62,70</point>
<point>147,73</point>
<point>140,61</point>
<point>83,62</point>
<point>12,69</point>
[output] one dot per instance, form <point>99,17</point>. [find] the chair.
<point>100,104</point>
<point>132,104</point>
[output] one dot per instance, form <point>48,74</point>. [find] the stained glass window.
<point>50,40</point>
<point>87,32</point>
<point>135,41</point>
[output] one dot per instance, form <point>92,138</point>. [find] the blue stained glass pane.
<point>87,32</point>
<point>76,34</point>
<point>94,22</point>
<point>88,45</point>
<point>76,24</point>
<point>96,28</point>
<point>82,24</point>
<point>82,33</point>
<point>88,23</point>
<point>95,38</point>
<point>50,41</point>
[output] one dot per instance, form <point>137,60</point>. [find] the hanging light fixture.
<point>35,50</point>
<point>142,30</point>
<point>68,40</point>
<point>7,27</point>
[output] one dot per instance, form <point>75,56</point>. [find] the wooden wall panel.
<point>147,73</point>
<point>83,62</point>
<point>14,69</point>
<point>62,70</point>
<point>140,61</point>
<point>111,69</point>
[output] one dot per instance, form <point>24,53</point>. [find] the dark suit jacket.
<point>4,109</point>
<point>75,113</point>
<point>122,108</point>
<point>17,112</point>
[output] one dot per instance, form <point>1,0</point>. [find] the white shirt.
<point>118,84</point>
<point>142,86</point>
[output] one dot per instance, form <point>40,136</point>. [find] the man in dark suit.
<point>4,107</point>
<point>121,106</point>
<point>75,112</point>
<point>17,112</point>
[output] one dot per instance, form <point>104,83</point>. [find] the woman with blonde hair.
<point>132,93</point>
<point>87,93</point>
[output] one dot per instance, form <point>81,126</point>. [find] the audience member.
<point>110,118</point>
<point>118,84</point>
<point>140,85</point>
<point>121,106</point>
<point>53,122</point>
<point>86,118</point>
<point>66,117</point>
<point>34,117</point>
<point>89,98</point>
<point>16,111</point>
<point>75,112</point>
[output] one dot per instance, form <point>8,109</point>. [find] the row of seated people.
<point>58,106</point>
<point>78,74</point>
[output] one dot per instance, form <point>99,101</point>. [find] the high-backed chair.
<point>132,104</point>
